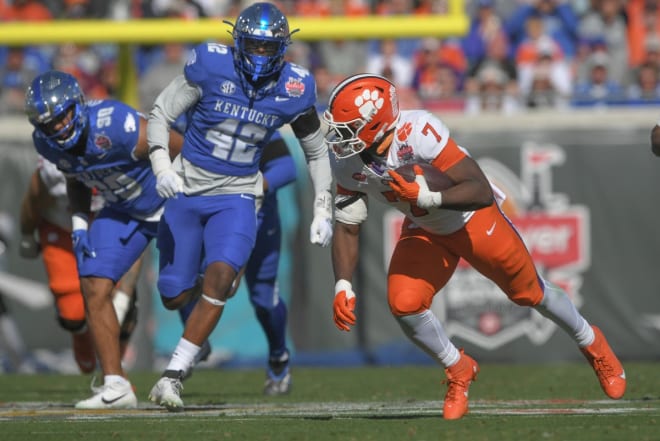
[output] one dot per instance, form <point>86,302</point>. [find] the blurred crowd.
<point>517,55</point>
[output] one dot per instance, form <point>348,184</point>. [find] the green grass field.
<point>520,402</point>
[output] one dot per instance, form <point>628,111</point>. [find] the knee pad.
<point>71,325</point>
<point>406,295</point>
<point>407,302</point>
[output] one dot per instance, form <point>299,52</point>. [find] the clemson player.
<point>46,229</point>
<point>370,138</point>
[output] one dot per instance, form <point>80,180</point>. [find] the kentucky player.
<point>235,99</point>
<point>101,145</point>
<point>45,221</point>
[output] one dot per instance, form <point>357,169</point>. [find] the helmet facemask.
<point>343,137</point>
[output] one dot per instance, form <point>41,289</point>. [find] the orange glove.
<point>344,305</point>
<point>416,192</point>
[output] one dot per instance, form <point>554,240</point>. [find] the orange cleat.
<point>459,377</point>
<point>607,366</point>
<point>83,352</point>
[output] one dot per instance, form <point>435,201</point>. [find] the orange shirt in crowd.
<point>25,11</point>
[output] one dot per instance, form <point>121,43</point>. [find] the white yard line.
<point>50,411</point>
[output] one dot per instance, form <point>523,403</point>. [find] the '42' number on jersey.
<point>236,141</point>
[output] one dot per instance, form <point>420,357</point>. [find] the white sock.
<point>557,306</point>
<point>109,379</point>
<point>426,331</point>
<point>183,356</point>
<point>122,302</point>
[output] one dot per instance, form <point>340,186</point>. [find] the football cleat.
<point>459,377</point>
<point>167,391</point>
<point>278,376</point>
<point>118,395</point>
<point>607,366</point>
<point>83,351</point>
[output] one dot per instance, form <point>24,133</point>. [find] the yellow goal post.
<point>158,31</point>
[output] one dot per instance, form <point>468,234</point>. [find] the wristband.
<point>79,221</point>
<point>343,285</point>
<point>160,159</point>
<point>437,198</point>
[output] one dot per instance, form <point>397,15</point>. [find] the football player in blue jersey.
<point>236,98</point>
<point>102,145</point>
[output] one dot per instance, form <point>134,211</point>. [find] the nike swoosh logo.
<point>113,400</point>
<point>491,229</point>
<point>280,98</point>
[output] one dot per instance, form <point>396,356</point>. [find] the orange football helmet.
<point>362,110</point>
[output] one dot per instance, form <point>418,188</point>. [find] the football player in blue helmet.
<point>261,36</point>
<point>236,98</point>
<point>55,105</point>
<point>100,145</point>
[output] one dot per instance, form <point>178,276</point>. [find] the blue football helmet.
<point>261,36</point>
<point>55,105</point>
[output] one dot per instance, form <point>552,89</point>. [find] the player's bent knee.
<point>174,303</point>
<point>71,325</point>
<point>407,302</point>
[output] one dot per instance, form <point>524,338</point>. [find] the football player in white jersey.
<point>370,138</point>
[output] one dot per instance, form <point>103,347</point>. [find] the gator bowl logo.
<point>557,234</point>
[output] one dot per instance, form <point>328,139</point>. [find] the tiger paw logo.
<point>369,103</point>
<point>404,132</point>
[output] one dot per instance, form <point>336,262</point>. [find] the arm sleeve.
<point>173,101</point>
<point>307,128</point>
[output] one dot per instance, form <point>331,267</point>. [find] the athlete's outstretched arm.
<point>80,197</point>
<point>307,128</point>
<point>30,215</point>
<point>345,250</point>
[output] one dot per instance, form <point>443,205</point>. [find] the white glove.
<point>29,247</point>
<point>320,232</point>
<point>168,183</point>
